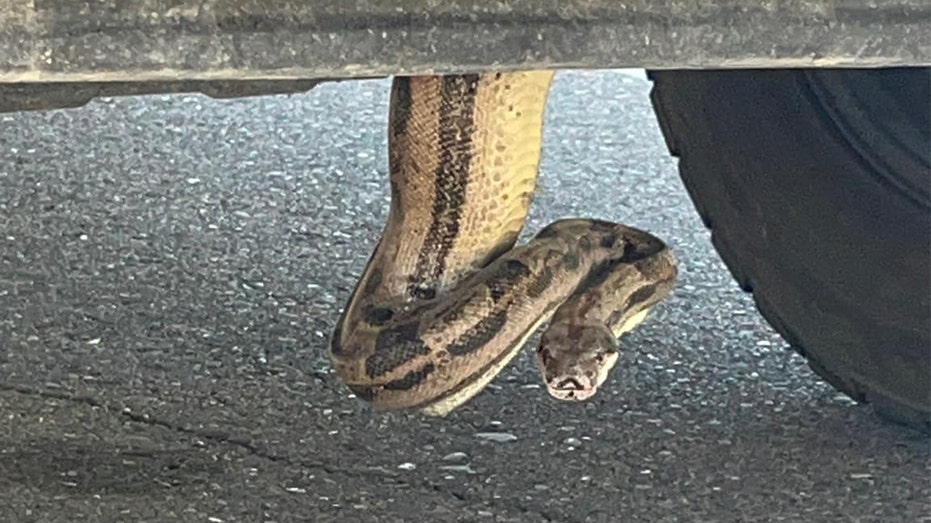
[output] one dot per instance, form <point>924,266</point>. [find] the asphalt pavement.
<point>172,266</point>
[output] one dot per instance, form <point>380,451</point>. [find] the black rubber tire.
<point>816,185</point>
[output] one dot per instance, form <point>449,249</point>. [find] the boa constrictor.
<point>446,299</point>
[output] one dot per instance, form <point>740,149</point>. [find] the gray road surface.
<point>170,270</point>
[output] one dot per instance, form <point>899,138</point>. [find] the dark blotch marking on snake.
<point>377,315</point>
<point>480,334</point>
<point>640,295</point>
<point>400,117</point>
<point>571,259</point>
<point>451,313</point>
<point>539,284</point>
<point>456,123</point>
<point>602,227</point>
<point>411,379</point>
<point>636,251</point>
<point>631,253</point>
<point>505,277</point>
<point>496,252</point>
<point>395,347</point>
<point>422,293</point>
<point>429,308</point>
<point>609,240</point>
<point>548,232</point>
<point>396,206</point>
<point>362,392</point>
<point>371,313</point>
<point>613,320</point>
<point>374,281</point>
<point>336,342</point>
<point>337,347</point>
<point>600,272</point>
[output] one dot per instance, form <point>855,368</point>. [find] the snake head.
<point>575,359</point>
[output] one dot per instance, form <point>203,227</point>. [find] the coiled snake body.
<point>446,299</point>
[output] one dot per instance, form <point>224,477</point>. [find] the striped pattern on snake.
<point>446,299</point>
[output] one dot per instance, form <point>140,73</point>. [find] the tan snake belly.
<point>446,299</point>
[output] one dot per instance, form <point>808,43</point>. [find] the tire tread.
<point>860,388</point>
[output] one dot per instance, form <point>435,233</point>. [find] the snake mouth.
<point>569,384</point>
<point>571,389</point>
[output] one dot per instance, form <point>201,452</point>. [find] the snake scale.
<point>447,299</point>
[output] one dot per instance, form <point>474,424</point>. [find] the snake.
<point>447,298</point>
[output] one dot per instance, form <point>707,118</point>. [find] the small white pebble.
<point>497,437</point>
<point>456,456</point>
<point>845,399</point>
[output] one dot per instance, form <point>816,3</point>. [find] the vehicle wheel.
<point>816,185</point>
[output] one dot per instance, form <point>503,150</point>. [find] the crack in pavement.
<point>146,419</point>
<point>224,439</point>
